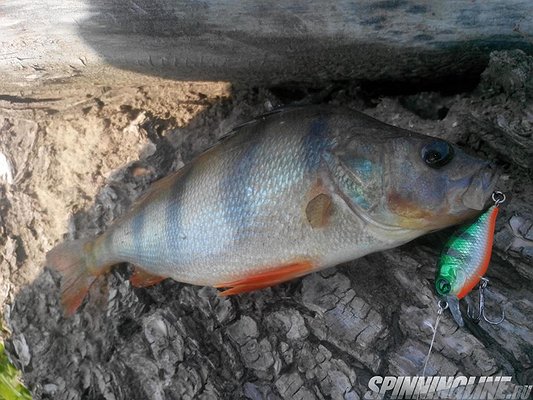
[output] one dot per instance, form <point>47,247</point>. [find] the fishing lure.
<point>465,260</point>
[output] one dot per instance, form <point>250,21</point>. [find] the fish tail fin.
<point>74,261</point>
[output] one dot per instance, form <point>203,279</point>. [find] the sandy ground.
<point>57,161</point>
<point>73,169</point>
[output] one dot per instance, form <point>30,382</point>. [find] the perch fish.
<point>291,192</point>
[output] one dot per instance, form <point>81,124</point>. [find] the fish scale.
<point>228,215</point>
<point>287,194</point>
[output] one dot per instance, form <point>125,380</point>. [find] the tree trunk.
<point>96,42</point>
<point>323,336</point>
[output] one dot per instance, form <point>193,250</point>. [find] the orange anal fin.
<point>270,277</point>
<point>140,278</point>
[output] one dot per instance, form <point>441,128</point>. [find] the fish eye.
<point>443,286</point>
<point>437,153</point>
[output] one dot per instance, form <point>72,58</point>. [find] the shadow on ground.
<point>309,42</point>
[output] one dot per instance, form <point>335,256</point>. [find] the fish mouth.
<point>481,186</point>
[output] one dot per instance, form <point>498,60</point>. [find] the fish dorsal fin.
<point>251,122</point>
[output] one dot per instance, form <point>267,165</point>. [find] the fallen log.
<point>96,42</point>
<point>323,336</point>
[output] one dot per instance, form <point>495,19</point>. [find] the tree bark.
<point>96,42</point>
<point>323,336</point>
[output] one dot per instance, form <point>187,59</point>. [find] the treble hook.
<point>481,310</point>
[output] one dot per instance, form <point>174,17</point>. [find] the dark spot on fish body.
<point>417,9</point>
<point>137,230</point>
<point>377,20</point>
<point>236,188</point>
<point>173,209</point>
<point>423,37</point>
<point>389,4</point>
<point>469,17</point>
<point>315,143</point>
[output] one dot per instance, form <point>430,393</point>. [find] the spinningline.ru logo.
<point>446,387</point>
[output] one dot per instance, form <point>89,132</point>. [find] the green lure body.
<point>465,260</point>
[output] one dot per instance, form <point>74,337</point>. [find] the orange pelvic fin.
<point>269,277</point>
<point>141,278</point>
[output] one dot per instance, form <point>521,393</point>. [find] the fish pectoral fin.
<point>141,278</point>
<point>266,278</point>
<point>319,210</point>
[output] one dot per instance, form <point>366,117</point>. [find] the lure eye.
<point>443,287</point>
<point>437,153</point>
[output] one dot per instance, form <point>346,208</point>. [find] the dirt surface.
<point>59,160</point>
<point>76,168</point>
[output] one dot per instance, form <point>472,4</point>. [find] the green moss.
<point>11,388</point>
